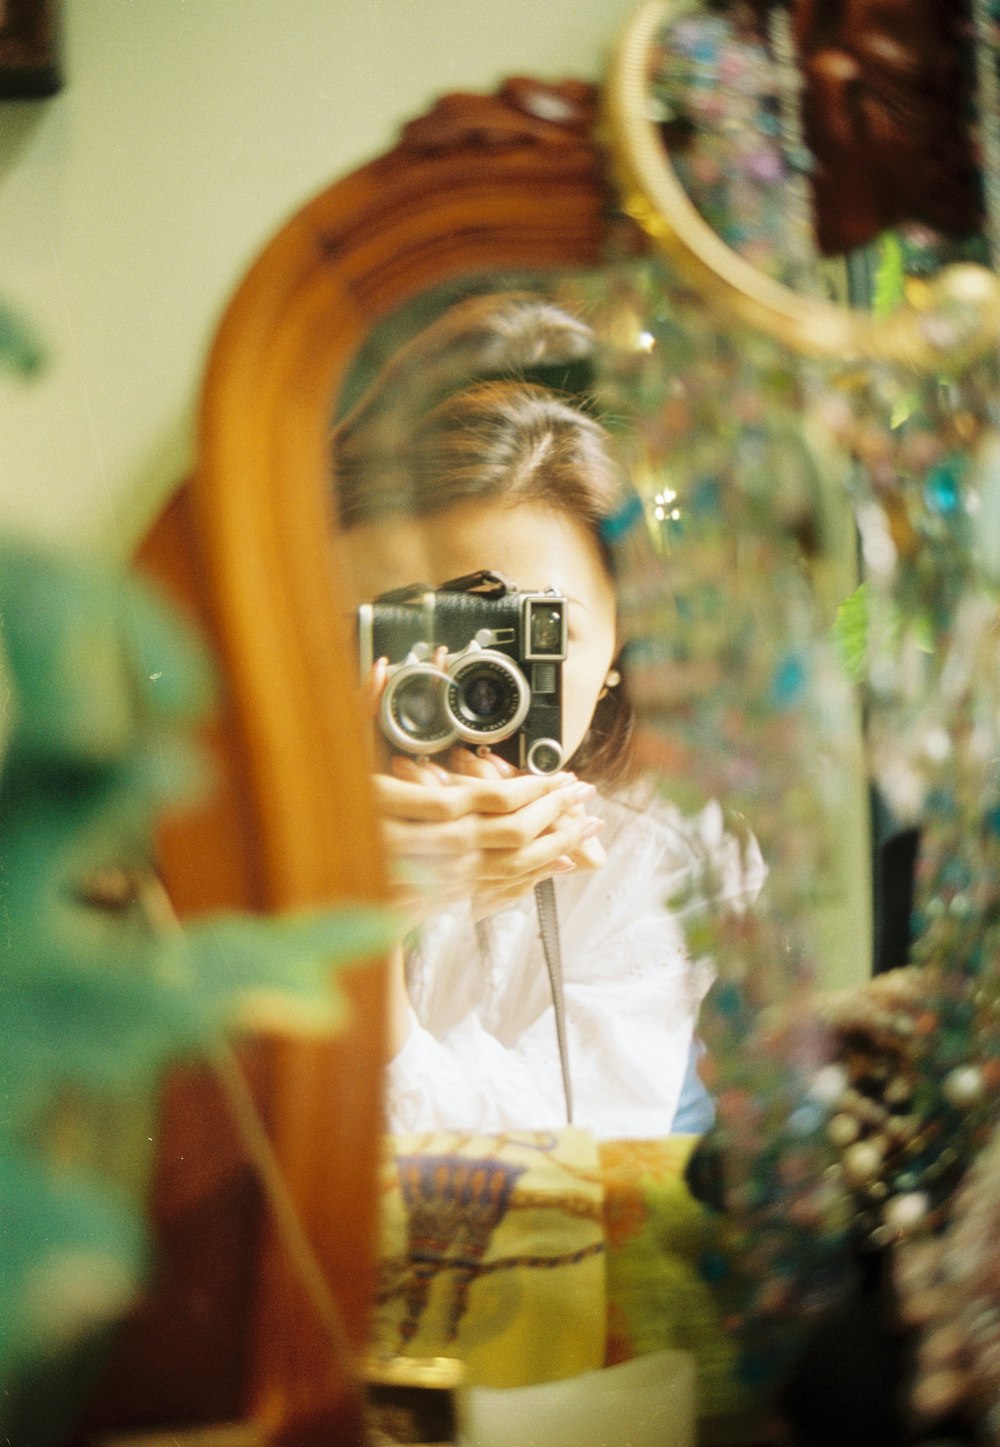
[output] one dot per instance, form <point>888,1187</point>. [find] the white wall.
<point>131,204</point>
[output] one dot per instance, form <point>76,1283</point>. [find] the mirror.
<point>470,454</point>
<point>762,262</point>
<point>424,435</point>
<point>521,197</point>
<point>642,342</point>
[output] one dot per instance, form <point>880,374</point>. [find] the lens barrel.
<point>413,713</point>
<point>487,698</point>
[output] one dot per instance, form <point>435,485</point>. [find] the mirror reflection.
<point>473,495</point>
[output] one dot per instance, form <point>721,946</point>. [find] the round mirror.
<point>707,123</point>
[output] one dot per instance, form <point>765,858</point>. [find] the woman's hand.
<point>458,834</point>
<point>479,827</point>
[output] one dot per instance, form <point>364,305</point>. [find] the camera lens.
<point>545,756</point>
<point>488,698</point>
<point>483,697</point>
<point>413,714</point>
<point>418,707</point>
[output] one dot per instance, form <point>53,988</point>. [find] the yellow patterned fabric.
<point>656,1236</point>
<point>539,1255</point>
<point>488,1241</point>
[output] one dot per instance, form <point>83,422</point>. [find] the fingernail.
<point>503,766</point>
<point>580,793</point>
<point>594,827</point>
<point>563,865</point>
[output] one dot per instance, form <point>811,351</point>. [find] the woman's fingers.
<point>431,834</point>
<point>425,771</point>
<point>499,895</point>
<point>373,686</point>
<point>542,853</point>
<point>482,833</point>
<point>514,831</point>
<point>426,875</point>
<point>406,799</point>
<point>479,766</point>
<point>590,854</point>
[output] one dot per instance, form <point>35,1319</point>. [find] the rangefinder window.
<point>545,627</point>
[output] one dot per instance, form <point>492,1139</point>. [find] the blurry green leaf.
<point>20,351</point>
<point>236,960</point>
<point>204,982</point>
<point>71,1258</point>
<point>850,632</point>
<point>96,659</point>
<point>890,275</point>
<point>98,689</point>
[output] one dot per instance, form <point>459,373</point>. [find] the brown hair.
<point>499,440</point>
<point>502,440</point>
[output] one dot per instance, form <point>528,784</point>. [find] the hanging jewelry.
<point>955,317</point>
<point>988,94</point>
<point>799,241</point>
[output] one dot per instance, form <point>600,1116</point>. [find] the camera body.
<point>499,685</point>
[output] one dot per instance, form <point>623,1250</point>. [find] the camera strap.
<point>548,922</point>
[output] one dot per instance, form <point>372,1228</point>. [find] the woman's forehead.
<point>532,544</point>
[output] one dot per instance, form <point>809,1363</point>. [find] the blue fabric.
<point>696,1108</point>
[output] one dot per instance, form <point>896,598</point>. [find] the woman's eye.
<point>112,890</point>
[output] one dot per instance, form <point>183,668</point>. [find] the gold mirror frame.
<point>654,197</point>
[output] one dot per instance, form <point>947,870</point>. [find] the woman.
<point>509,476</point>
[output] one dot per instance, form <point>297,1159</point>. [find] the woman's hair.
<point>503,441</point>
<point>502,335</point>
<point>500,440</point>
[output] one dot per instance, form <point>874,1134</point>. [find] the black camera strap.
<point>548,923</point>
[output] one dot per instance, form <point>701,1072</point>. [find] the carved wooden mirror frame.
<point>480,184</point>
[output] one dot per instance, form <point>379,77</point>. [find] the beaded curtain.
<point>854,1122</point>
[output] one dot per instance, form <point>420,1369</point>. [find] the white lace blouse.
<point>482,1053</point>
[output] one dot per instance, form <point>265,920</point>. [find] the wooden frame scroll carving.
<point>481,183</point>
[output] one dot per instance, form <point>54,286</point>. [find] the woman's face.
<point>533,546</point>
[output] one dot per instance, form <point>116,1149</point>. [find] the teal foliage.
<point>70,1255</point>
<point>100,685</point>
<point>104,673</point>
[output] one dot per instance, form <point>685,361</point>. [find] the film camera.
<point>498,687</point>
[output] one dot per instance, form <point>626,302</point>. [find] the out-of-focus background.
<point>132,202</point>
